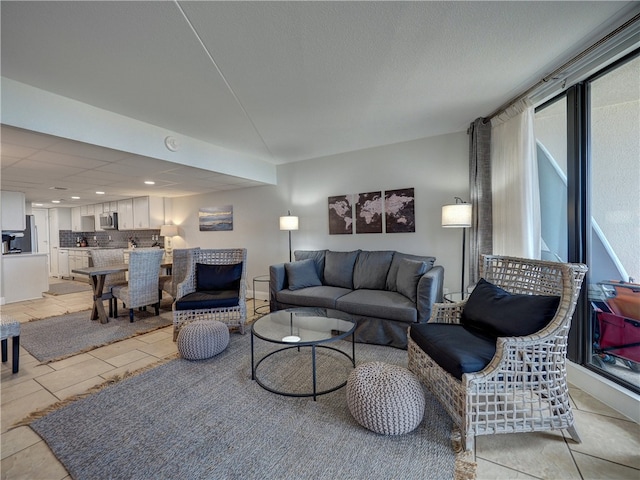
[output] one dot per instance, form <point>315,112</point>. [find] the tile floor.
<point>610,447</point>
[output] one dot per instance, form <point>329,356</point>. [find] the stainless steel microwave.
<point>109,221</point>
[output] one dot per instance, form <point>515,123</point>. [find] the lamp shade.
<point>168,230</point>
<point>456,216</point>
<point>288,222</point>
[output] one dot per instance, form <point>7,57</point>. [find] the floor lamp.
<point>289,222</point>
<point>458,215</point>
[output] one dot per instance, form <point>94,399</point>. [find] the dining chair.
<point>105,257</point>
<point>142,288</point>
<point>169,283</point>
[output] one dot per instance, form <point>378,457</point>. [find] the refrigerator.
<point>28,241</point>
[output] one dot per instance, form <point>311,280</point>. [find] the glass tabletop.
<point>303,326</point>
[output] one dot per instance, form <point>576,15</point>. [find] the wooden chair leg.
<point>131,315</point>
<point>4,350</point>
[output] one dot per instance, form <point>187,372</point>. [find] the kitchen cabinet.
<point>148,213</point>
<point>87,210</point>
<point>59,219</point>
<point>63,262</point>
<point>25,276</point>
<point>80,222</point>
<point>97,210</point>
<point>78,259</point>
<point>13,211</point>
<point>125,214</point>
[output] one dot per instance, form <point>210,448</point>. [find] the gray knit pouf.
<point>384,398</point>
<point>202,339</point>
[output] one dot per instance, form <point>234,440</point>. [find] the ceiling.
<point>279,81</point>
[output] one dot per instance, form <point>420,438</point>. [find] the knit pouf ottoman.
<point>202,339</point>
<point>387,399</point>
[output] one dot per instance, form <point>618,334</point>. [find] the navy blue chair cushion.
<point>497,312</point>
<point>208,299</point>
<point>456,348</point>
<point>218,277</point>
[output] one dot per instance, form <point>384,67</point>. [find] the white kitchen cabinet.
<point>125,214</point>
<point>97,210</point>
<point>148,213</point>
<point>59,219</point>
<point>87,210</point>
<point>80,222</point>
<point>25,276</point>
<point>63,262</point>
<point>13,211</point>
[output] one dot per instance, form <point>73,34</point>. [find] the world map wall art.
<point>393,212</point>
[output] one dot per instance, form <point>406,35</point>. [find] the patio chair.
<point>496,361</point>
<point>105,257</point>
<point>169,283</point>
<point>142,289</point>
<point>214,288</point>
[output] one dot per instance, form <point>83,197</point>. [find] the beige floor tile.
<point>491,471</point>
<point>13,412</point>
<point>118,348</point>
<point>18,439</point>
<point>161,349</point>
<point>131,367</point>
<point>61,379</point>
<point>155,336</point>
<point>540,454</point>
<point>79,388</point>
<point>593,468</point>
<point>126,358</point>
<point>608,438</point>
<point>9,394</point>
<point>68,362</point>
<point>27,372</point>
<point>587,403</point>
<point>33,463</point>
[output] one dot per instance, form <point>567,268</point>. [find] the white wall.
<point>437,168</point>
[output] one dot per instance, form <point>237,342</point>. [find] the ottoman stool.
<point>387,399</point>
<point>202,339</point>
<point>10,327</point>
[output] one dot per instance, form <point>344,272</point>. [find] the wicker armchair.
<point>196,302</point>
<point>523,386</point>
<point>142,289</point>
<point>104,257</point>
<point>169,283</point>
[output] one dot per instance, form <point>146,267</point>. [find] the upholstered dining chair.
<point>497,360</point>
<point>214,288</point>
<point>105,257</point>
<point>169,283</point>
<point>142,288</point>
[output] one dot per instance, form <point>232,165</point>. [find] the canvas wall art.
<point>341,215</point>
<point>369,212</point>
<point>216,219</point>
<point>399,207</point>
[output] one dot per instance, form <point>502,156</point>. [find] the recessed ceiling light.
<point>55,201</point>
<point>37,204</point>
<point>76,198</point>
<point>149,182</point>
<point>99,193</point>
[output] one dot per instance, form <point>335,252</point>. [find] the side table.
<point>455,297</point>
<point>259,279</point>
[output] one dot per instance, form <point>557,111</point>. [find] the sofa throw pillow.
<point>392,276</point>
<point>316,255</point>
<point>338,268</point>
<point>499,313</point>
<point>218,277</point>
<point>409,273</point>
<point>370,271</point>
<point>302,274</point>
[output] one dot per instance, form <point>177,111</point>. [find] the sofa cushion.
<point>371,269</point>
<point>409,273</point>
<point>454,347</point>
<point>302,274</point>
<point>379,304</point>
<point>324,296</point>
<point>318,259</point>
<point>392,276</point>
<point>218,277</point>
<point>338,268</point>
<point>497,312</point>
<point>208,299</point>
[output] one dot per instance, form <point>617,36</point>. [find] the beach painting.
<point>216,219</point>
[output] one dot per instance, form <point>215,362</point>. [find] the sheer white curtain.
<point>514,179</point>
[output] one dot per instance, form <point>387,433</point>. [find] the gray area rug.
<point>209,420</point>
<point>67,287</point>
<point>59,337</point>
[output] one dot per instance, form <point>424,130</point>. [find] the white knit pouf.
<point>384,398</point>
<point>202,339</point>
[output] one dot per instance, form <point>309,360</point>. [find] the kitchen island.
<point>25,276</point>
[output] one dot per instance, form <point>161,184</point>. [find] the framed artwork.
<point>369,212</point>
<point>399,207</point>
<point>341,215</point>
<point>216,219</point>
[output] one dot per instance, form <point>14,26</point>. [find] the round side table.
<point>455,297</point>
<point>260,308</point>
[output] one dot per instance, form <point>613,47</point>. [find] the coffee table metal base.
<point>315,392</point>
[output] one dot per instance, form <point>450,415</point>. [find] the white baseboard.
<point>603,389</point>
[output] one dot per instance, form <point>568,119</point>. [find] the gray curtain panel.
<point>481,234</point>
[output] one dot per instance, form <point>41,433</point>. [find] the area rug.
<point>55,338</point>
<point>67,287</point>
<point>208,420</point>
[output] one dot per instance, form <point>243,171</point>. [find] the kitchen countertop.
<point>23,254</point>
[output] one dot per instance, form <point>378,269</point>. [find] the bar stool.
<point>10,327</point>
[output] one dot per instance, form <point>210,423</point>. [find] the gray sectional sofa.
<point>386,291</point>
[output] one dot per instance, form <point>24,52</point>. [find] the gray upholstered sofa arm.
<point>277,281</point>
<point>429,292</point>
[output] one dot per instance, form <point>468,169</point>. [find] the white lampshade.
<point>288,222</point>
<point>169,230</point>
<point>456,216</point>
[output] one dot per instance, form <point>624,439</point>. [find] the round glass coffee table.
<point>306,329</point>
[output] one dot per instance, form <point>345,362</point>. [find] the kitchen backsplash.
<point>112,238</point>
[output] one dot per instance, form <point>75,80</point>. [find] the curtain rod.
<point>554,75</point>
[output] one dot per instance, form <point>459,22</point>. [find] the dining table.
<point>98,276</point>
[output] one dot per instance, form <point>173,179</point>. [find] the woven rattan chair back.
<point>179,270</point>
<point>105,257</point>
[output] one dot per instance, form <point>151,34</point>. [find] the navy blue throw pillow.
<point>218,277</point>
<point>497,312</point>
